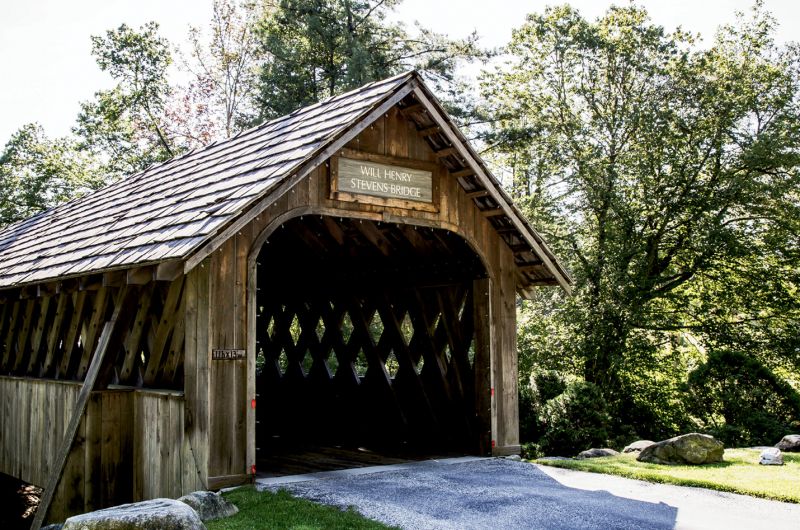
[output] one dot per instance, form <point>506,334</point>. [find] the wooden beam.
<point>428,131</point>
<point>413,108</point>
<point>375,236</point>
<point>466,172</point>
<point>525,267</point>
<point>140,275</point>
<point>477,193</point>
<point>522,247</point>
<point>72,429</point>
<point>114,279</point>
<point>46,289</point>
<point>447,151</point>
<point>493,212</point>
<point>169,271</point>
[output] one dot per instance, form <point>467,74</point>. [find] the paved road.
<point>503,494</point>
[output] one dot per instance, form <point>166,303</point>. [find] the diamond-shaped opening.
<point>420,364</point>
<point>308,360</point>
<point>283,361</point>
<point>260,361</point>
<point>375,328</point>
<point>361,363</point>
<point>333,364</point>
<point>271,327</point>
<point>407,329</point>
<point>294,330</point>
<point>392,366</point>
<point>320,329</point>
<point>347,328</point>
<point>471,353</point>
<point>448,354</point>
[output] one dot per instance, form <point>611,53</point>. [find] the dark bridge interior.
<point>365,338</point>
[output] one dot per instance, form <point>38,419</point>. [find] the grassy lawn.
<point>739,473</point>
<point>282,511</point>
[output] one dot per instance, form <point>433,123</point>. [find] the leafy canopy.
<point>662,172</point>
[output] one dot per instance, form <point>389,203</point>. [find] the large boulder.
<point>637,446</point>
<point>693,448</point>
<point>789,443</point>
<point>597,453</point>
<point>209,505</point>
<point>157,514</point>
<point>771,456</point>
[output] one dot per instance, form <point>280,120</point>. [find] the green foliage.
<point>37,173</point>
<point>663,174</point>
<point>542,386</point>
<point>126,125</point>
<point>742,402</point>
<point>282,511</point>
<point>319,48</point>
<point>574,420</point>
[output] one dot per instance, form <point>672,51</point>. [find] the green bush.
<point>542,386</point>
<point>575,420</point>
<point>741,401</point>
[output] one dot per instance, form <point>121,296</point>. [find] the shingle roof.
<point>168,210</point>
<point>179,209</point>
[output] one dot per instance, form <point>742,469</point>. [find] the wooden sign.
<point>228,355</point>
<point>365,177</point>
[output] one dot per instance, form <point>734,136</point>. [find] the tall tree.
<point>318,48</point>
<point>37,173</point>
<point>223,62</point>
<point>127,125</point>
<point>653,165</point>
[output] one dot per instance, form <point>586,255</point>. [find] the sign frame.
<point>389,202</point>
<point>228,354</point>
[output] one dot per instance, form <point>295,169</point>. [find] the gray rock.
<point>515,458</point>
<point>596,453</point>
<point>771,457</point>
<point>693,448</point>
<point>637,446</point>
<point>157,514</point>
<point>789,443</point>
<point>209,505</point>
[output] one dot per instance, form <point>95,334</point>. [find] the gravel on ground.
<point>500,493</point>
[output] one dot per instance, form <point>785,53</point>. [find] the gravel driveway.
<point>503,494</point>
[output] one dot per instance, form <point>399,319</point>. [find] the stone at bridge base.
<point>156,514</point>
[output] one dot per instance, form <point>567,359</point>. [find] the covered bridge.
<point>343,275</point>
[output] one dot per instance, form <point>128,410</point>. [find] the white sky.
<point>47,68</point>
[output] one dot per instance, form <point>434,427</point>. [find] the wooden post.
<point>77,414</point>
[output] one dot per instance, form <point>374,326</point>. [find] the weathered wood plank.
<point>75,420</point>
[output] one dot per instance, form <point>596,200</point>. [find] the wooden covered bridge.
<point>343,275</point>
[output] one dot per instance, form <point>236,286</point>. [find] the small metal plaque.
<point>364,177</point>
<point>228,355</point>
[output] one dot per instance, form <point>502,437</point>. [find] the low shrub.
<point>574,420</point>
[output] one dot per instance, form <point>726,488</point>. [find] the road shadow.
<point>490,493</point>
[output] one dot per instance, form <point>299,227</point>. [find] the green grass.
<point>282,511</point>
<point>739,473</point>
